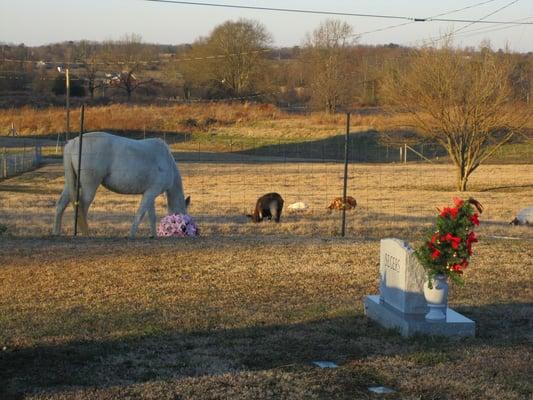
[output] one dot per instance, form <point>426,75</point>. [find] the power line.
<point>428,18</point>
<point>480,20</point>
<point>488,15</point>
<point>480,31</point>
<point>336,13</point>
<point>461,9</point>
<point>290,10</point>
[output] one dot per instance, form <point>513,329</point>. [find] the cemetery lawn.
<point>243,317</point>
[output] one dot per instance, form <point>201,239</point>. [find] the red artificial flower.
<point>474,219</point>
<point>457,268</point>
<point>458,202</point>
<point>449,211</point>
<point>442,248</point>
<point>453,212</point>
<point>454,240</point>
<point>471,238</point>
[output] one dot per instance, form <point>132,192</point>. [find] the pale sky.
<point>35,22</point>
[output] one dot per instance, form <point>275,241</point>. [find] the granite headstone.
<point>401,304</point>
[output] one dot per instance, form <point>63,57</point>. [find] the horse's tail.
<point>70,173</point>
<point>70,181</point>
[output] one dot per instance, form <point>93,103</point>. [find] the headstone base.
<point>455,324</point>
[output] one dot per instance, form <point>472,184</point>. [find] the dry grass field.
<point>241,311</point>
<point>240,120</point>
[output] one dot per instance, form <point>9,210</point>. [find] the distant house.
<point>44,65</point>
<point>115,78</point>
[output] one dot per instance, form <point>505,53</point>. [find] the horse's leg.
<point>89,185</point>
<point>61,204</point>
<point>146,202</point>
<point>152,218</point>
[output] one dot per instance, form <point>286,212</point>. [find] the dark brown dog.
<point>267,206</point>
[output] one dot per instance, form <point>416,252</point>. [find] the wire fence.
<point>396,186</point>
<point>14,161</point>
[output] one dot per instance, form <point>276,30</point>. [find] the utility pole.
<point>67,80</point>
<point>67,88</point>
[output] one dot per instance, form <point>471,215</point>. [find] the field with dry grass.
<point>236,120</point>
<point>375,136</point>
<point>178,118</point>
<point>243,310</point>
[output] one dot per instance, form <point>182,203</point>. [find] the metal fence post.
<point>77,204</point>
<point>345,188</point>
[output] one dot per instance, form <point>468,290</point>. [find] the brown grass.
<point>391,198</point>
<point>243,310</point>
<point>246,120</point>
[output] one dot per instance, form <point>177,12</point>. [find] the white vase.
<point>437,298</point>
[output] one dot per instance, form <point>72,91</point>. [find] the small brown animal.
<point>338,204</point>
<point>267,206</point>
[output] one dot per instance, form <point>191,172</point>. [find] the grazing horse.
<point>267,206</point>
<point>124,166</point>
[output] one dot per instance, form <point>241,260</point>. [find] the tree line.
<point>471,101</point>
<point>328,71</point>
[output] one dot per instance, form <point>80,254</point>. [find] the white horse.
<point>123,166</point>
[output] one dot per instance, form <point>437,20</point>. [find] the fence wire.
<point>394,189</point>
<point>18,160</point>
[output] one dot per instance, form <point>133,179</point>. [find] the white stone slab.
<point>401,277</point>
<point>409,324</point>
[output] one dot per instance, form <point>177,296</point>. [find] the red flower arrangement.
<point>449,245</point>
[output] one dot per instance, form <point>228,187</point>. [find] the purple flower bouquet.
<point>180,225</point>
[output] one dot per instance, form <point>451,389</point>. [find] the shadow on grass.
<point>363,147</point>
<point>496,188</point>
<point>157,354</point>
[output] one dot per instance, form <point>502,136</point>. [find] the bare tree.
<point>461,100</point>
<point>231,59</point>
<point>91,61</point>
<point>131,57</point>
<point>327,56</point>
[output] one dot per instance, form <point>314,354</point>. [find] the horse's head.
<point>176,201</point>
